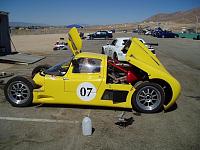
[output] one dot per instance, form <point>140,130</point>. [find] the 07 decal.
<point>86,91</point>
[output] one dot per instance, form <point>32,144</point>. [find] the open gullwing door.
<point>74,41</point>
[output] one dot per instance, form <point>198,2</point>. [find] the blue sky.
<point>63,12</point>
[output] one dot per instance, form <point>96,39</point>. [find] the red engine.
<point>128,75</point>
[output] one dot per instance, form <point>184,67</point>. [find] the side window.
<point>103,33</point>
<point>87,65</point>
<point>114,42</point>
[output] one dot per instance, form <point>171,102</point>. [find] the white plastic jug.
<point>87,126</point>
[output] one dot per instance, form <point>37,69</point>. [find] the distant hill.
<point>25,24</point>
<point>185,17</point>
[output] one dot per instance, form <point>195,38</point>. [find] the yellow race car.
<point>141,83</point>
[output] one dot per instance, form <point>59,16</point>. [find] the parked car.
<point>135,31</point>
<point>125,31</point>
<point>159,33</point>
<point>100,34</point>
<point>114,50</point>
<point>91,79</point>
<point>113,30</point>
<point>82,35</point>
<point>149,45</point>
<point>148,32</point>
<point>194,36</point>
<point>60,45</point>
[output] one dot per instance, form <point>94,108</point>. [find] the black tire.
<point>19,91</point>
<point>56,48</point>
<point>142,99</point>
<point>102,51</point>
<point>64,48</point>
<point>39,69</point>
<point>91,38</point>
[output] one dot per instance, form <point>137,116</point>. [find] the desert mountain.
<point>189,16</point>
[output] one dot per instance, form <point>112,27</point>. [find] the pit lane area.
<point>59,126</point>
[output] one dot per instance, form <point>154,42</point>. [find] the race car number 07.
<point>86,91</point>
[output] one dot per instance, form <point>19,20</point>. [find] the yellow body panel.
<point>63,90</point>
<point>75,88</point>
<point>140,56</point>
<point>74,41</point>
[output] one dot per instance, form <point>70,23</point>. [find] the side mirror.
<point>107,44</point>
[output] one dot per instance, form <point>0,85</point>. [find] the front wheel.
<point>148,97</point>
<point>19,91</point>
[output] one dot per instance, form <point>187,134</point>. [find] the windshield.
<point>59,69</point>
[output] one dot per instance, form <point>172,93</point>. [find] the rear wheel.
<point>91,38</point>
<point>19,91</point>
<point>39,69</point>
<point>148,97</point>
